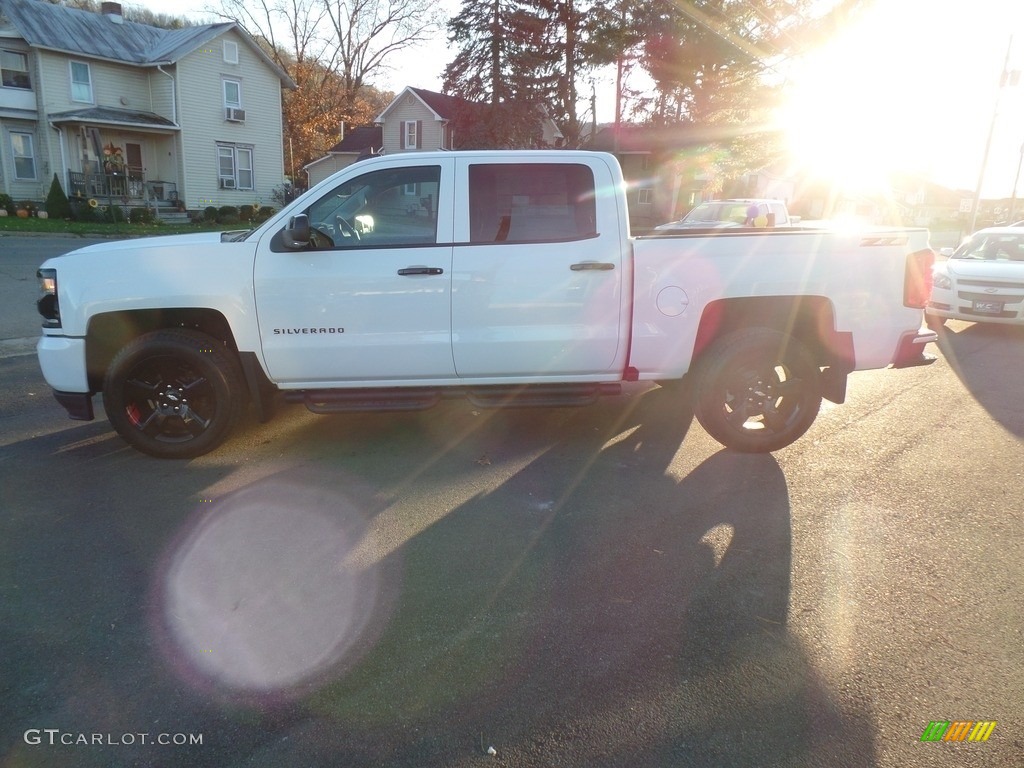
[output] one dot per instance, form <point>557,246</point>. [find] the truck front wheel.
<point>756,390</point>
<point>173,394</point>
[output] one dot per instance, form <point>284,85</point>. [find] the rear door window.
<point>531,202</point>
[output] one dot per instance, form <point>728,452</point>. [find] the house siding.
<point>23,189</point>
<point>113,85</point>
<point>161,92</point>
<point>328,166</point>
<point>411,108</point>
<point>202,119</point>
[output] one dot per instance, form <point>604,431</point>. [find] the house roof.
<point>358,139</point>
<point>364,142</point>
<point>443,106</point>
<point>111,116</point>
<point>98,36</point>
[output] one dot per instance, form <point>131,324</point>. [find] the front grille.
<point>1001,297</point>
<point>1010,285</point>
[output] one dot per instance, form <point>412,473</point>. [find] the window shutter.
<point>401,134</point>
<point>419,134</point>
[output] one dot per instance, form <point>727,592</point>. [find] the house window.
<point>14,70</point>
<point>233,94</point>
<point>243,162</point>
<point>81,82</point>
<point>230,52</point>
<point>24,156</point>
<point>409,190</point>
<point>531,202</point>
<point>235,167</point>
<point>645,196</point>
<point>412,134</point>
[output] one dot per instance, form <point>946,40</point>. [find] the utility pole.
<point>1013,196</point>
<point>1006,78</point>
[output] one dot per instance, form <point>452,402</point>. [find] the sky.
<point>912,86</point>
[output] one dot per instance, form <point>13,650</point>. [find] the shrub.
<point>247,212</point>
<point>7,203</point>
<point>264,213</point>
<point>210,213</point>
<point>57,205</point>
<point>116,213</point>
<point>82,211</point>
<point>227,212</point>
<point>141,215</point>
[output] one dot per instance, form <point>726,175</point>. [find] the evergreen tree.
<point>505,62</point>
<point>57,205</point>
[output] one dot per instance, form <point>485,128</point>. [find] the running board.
<point>349,400</point>
<point>420,398</point>
<point>540,395</point>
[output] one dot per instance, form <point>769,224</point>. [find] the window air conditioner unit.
<point>227,183</point>
<point>234,114</point>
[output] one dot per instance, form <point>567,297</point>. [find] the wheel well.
<point>109,332</point>
<point>808,319</point>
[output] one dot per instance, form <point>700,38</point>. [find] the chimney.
<point>112,11</point>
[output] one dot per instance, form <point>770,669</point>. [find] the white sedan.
<point>982,281</point>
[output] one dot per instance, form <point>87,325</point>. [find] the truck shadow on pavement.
<point>989,360</point>
<point>381,600</point>
<point>607,605</point>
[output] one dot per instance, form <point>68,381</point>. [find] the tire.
<point>757,390</point>
<point>174,394</point>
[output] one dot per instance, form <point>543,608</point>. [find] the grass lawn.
<point>119,229</point>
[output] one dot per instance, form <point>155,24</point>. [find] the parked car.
<point>745,212</point>
<point>982,281</point>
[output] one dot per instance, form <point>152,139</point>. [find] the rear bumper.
<point>910,351</point>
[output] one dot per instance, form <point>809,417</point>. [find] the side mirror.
<point>296,234</point>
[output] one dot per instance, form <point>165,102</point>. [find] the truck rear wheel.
<point>173,394</point>
<point>756,390</point>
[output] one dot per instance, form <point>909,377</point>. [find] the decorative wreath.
<point>93,202</point>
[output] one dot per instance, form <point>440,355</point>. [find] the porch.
<point>126,186</point>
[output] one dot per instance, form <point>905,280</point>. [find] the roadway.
<point>595,587</point>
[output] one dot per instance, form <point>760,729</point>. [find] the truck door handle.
<point>602,266</point>
<point>421,271</point>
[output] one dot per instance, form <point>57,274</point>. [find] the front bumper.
<point>62,360</point>
<point>77,404</point>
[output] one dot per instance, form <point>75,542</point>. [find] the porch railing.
<point>127,185</point>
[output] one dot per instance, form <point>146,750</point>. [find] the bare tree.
<point>332,50</point>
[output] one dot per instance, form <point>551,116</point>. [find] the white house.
<point>136,113</point>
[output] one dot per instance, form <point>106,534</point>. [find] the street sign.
<point>966,204</point>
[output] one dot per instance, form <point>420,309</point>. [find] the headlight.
<point>47,303</point>
<point>941,280</point>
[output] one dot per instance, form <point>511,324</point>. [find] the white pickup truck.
<point>505,277</point>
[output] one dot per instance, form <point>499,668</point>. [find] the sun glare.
<point>889,91</point>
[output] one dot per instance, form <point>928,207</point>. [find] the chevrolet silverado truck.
<point>505,277</point>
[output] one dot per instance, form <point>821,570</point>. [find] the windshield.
<point>992,247</point>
